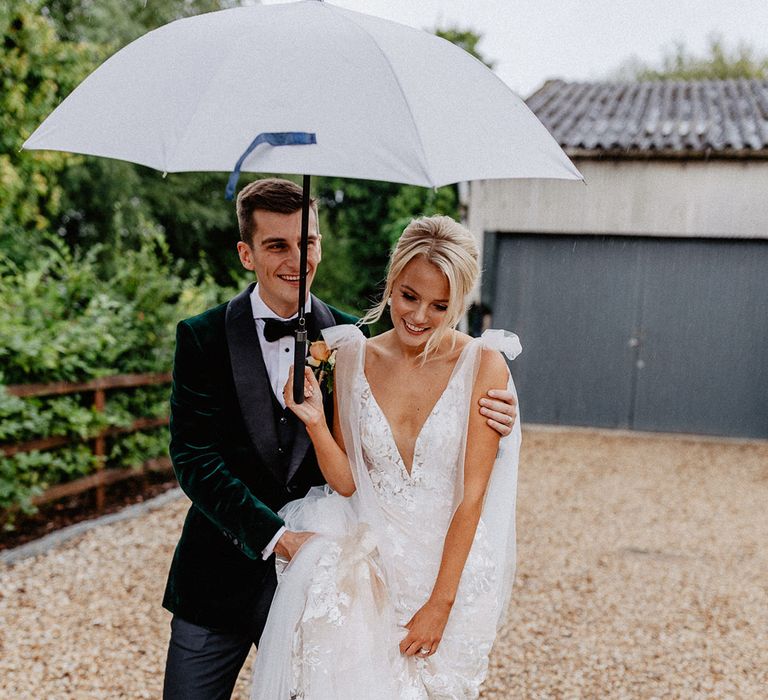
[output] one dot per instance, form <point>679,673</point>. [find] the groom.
<point>238,453</point>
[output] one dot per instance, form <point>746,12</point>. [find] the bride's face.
<point>419,302</point>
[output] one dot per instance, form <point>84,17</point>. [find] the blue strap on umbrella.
<point>273,138</point>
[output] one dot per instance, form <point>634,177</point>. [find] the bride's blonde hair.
<point>452,249</point>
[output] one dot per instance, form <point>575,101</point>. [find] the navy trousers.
<point>203,663</point>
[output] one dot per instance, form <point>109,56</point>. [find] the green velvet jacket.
<point>227,458</point>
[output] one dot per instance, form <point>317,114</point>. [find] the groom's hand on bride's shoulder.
<point>290,543</point>
<point>499,407</point>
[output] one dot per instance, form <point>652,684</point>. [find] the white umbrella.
<point>364,97</point>
<point>386,101</point>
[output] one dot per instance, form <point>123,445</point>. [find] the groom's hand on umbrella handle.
<point>500,410</point>
<point>290,543</point>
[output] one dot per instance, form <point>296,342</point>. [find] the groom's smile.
<point>274,257</point>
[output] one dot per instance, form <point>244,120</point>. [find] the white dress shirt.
<point>278,358</point>
<point>278,355</point>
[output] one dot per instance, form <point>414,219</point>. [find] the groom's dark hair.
<point>270,194</point>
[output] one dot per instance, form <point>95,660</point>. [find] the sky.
<point>533,40</point>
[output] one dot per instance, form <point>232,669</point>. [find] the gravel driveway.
<point>643,573</point>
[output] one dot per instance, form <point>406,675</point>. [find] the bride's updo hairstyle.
<point>452,249</point>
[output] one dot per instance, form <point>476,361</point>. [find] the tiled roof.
<point>701,118</point>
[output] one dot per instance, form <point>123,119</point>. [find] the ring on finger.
<point>424,651</point>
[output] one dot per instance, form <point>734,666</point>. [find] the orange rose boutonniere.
<point>322,360</point>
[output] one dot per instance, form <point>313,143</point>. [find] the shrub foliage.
<point>77,316</point>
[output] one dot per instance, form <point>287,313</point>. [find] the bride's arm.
<point>426,627</point>
<point>329,448</point>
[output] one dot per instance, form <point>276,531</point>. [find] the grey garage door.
<point>646,333</point>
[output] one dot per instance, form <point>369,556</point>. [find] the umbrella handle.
<point>299,362</point>
<point>300,349</point>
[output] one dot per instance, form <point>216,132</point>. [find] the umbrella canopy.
<point>305,88</point>
<point>385,101</point>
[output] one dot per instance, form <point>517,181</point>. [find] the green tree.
<point>718,63</point>
<point>106,201</point>
<point>37,70</point>
<point>465,39</point>
<point>354,214</point>
<point>117,22</point>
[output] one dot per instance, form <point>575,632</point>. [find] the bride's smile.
<point>419,303</point>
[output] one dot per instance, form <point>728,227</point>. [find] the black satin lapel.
<point>301,443</point>
<point>321,317</point>
<point>251,379</point>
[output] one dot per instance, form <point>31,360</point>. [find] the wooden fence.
<point>102,477</point>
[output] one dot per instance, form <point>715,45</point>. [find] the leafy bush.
<point>37,70</point>
<point>77,316</point>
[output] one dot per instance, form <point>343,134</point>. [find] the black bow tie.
<point>274,329</point>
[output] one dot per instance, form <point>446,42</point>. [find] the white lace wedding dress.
<point>338,615</point>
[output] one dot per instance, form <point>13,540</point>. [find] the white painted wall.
<point>636,198</point>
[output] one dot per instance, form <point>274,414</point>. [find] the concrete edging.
<point>639,434</point>
<point>59,537</point>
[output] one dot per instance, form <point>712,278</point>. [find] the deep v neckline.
<point>409,472</point>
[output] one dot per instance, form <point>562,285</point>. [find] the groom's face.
<point>274,257</point>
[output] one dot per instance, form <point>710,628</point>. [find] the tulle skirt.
<point>333,631</point>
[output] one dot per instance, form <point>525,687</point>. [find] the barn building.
<point>640,297</point>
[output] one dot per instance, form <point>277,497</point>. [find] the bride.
<point>401,591</point>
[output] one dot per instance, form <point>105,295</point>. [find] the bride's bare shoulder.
<point>457,344</point>
<point>492,365</point>
<point>380,346</point>
<point>461,338</point>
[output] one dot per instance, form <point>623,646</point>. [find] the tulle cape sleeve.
<point>499,511</point>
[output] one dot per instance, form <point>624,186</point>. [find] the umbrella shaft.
<point>304,246</point>
<point>300,349</point>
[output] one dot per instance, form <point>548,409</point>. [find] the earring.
<point>389,301</point>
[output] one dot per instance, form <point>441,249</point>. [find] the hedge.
<point>74,317</point>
